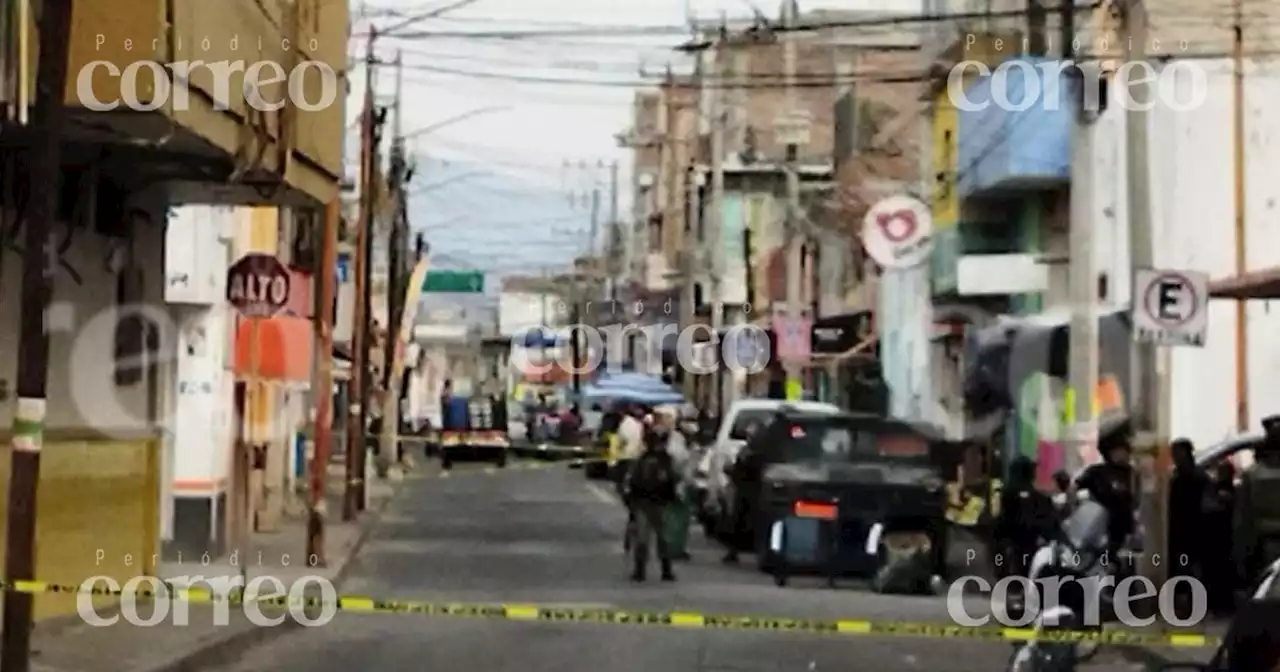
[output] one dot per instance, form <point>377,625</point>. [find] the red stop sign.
<point>258,285</point>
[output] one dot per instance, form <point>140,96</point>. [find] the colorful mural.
<point>1046,413</point>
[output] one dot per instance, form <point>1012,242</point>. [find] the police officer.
<point>651,487</point>
<point>1258,506</point>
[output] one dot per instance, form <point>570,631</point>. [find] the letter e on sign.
<point>258,285</point>
<point>1171,308</point>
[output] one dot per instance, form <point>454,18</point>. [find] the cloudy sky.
<point>506,187</point>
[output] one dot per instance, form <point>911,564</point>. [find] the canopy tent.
<point>640,381</point>
<point>648,396</point>
<point>538,338</point>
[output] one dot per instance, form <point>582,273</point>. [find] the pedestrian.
<point>630,441</point>
<point>1063,500</point>
<point>746,474</point>
<point>651,484</point>
<point>1111,483</point>
<point>1258,506</point>
<point>1027,516</point>
<point>678,512</point>
<point>1218,542</point>
<point>498,405</point>
<point>1188,488</point>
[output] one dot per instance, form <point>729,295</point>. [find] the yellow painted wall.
<point>248,31</point>
<point>945,202</point>
<point>259,231</point>
<point>97,512</point>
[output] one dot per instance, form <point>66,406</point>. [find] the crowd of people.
<point>1223,530</point>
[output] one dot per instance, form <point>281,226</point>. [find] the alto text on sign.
<point>1171,307</point>
<point>258,285</point>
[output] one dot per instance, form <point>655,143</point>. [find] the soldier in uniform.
<point>1257,542</point>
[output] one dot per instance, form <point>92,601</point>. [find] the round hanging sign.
<point>898,232</point>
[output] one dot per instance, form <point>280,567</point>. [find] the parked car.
<point>714,465</point>
<point>1252,641</point>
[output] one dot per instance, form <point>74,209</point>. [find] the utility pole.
<point>364,354</point>
<point>579,290</point>
<point>322,418</point>
<point>795,239</point>
<point>716,232</point>
<point>352,499</point>
<point>688,262</point>
<point>668,206</point>
<point>1237,141</point>
<point>615,251</point>
<point>1144,361</point>
<point>395,280</point>
<point>43,158</point>
<point>1082,276</point>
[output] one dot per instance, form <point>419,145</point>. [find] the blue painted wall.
<point>1003,146</point>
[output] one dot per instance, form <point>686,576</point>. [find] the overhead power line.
<point>819,80</point>
<point>804,27</point>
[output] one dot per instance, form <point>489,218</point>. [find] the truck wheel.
<point>446,460</point>
<point>501,462</point>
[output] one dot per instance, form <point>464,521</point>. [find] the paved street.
<point>549,537</point>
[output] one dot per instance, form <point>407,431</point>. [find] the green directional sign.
<point>458,282</point>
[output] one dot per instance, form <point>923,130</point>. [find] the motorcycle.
<point>1077,557</point>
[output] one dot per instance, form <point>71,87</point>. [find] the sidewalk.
<point>167,647</point>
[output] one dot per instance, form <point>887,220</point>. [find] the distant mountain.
<point>480,216</point>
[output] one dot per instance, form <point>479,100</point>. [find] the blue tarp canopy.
<point>631,380</point>
<point>652,397</point>
<point>636,388</point>
<point>537,338</point>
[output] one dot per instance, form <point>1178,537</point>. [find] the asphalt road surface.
<point>550,537</point>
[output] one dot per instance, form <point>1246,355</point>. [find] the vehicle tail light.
<point>818,510</point>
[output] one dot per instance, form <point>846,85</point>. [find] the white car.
<point>713,468</point>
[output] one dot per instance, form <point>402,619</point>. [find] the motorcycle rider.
<point>1110,483</point>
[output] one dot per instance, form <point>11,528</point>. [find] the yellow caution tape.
<point>486,471</point>
<point>686,620</point>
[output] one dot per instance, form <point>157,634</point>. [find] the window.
<point>761,418</point>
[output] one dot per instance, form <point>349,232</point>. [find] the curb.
<point>223,651</point>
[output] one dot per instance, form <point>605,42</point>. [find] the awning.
<point>1260,284</point>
